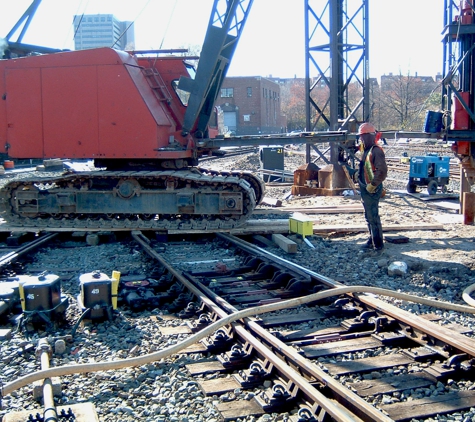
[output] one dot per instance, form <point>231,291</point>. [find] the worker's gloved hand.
<point>371,188</point>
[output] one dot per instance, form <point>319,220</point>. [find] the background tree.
<point>321,97</point>
<point>403,100</point>
<point>293,104</point>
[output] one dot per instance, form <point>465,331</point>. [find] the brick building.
<point>429,82</point>
<point>251,105</point>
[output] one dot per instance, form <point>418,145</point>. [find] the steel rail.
<point>23,250</point>
<point>335,409</point>
<point>445,335</point>
<point>351,401</point>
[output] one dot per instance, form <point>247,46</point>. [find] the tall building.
<point>92,31</point>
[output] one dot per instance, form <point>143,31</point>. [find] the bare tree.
<point>403,101</point>
<point>293,104</point>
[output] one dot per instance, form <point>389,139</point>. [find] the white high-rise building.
<point>92,31</point>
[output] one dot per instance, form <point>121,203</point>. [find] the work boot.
<point>373,253</point>
<point>368,244</point>
<point>378,242</point>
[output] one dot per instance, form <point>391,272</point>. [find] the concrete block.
<point>92,239</point>
<point>5,334</point>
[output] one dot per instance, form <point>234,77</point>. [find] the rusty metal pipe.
<point>44,351</point>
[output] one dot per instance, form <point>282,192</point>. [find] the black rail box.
<point>272,158</point>
<point>40,293</point>
<point>96,294</point>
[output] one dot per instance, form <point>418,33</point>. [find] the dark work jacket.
<point>378,162</point>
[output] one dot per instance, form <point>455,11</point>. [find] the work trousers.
<point>371,214</point>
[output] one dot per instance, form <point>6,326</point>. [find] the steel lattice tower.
<point>337,57</point>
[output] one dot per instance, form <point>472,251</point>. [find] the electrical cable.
<point>79,25</point>
<point>166,31</point>
<point>80,20</point>
<point>442,82</point>
<point>168,24</point>
<point>73,331</point>
<point>131,23</point>
<point>246,313</point>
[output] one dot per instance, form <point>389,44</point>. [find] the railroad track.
<point>421,149</point>
<point>262,334</point>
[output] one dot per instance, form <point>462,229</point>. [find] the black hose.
<point>73,332</point>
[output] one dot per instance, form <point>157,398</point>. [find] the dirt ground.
<point>435,230</point>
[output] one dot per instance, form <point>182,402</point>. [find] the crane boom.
<point>226,23</point>
<point>19,48</point>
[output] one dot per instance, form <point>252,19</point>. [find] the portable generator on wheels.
<point>431,171</point>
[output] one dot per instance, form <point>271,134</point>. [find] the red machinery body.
<point>138,117</point>
<point>98,103</point>
<point>127,114</point>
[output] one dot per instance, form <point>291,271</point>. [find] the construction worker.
<point>372,172</point>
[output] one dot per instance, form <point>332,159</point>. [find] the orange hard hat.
<point>366,128</point>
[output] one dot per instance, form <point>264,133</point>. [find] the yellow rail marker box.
<point>301,225</point>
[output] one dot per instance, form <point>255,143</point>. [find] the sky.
<point>404,35</point>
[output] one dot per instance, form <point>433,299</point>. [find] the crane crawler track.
<point>256,182</point>
<point>163,200</point>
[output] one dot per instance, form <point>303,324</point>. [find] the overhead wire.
<point>166,30</point>
<point>131,23</point>
<point>168,24</point>
<point>442,81</point>
<point>80,21</point>
<point>421,108</point>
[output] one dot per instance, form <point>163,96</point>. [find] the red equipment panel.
<point>89,104</point>
<point>460,116</point>
<point>24,126</point>
<point>70,112</point>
